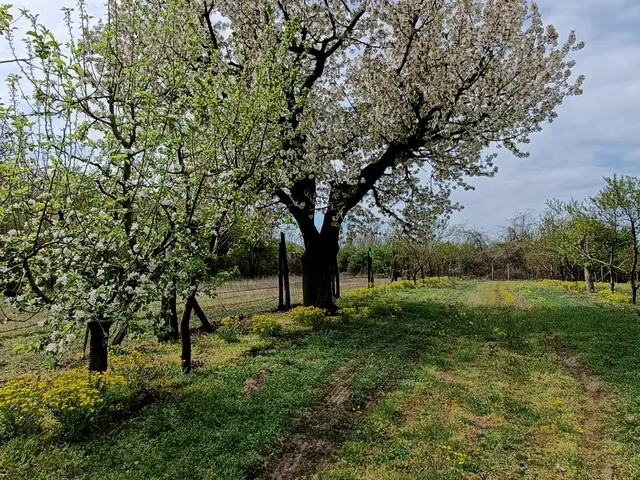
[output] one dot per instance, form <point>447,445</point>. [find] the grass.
<point>487,380</point>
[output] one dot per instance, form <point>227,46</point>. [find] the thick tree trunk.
<point>317,267</point>
<point>634,265</point>
<point>588,279</point>
<point>336,293</point>
<point>98,345</point>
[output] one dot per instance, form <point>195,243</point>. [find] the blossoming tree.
<point>395,104</point>
<point>126,155</point>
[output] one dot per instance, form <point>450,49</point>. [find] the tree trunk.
<point>206,325</point>
<point>170,316</point>
<point>118,337</point>
<point>634,264</point>
<point>186,337</point>
<point>98,345</point>
<point>336,294</point>
<point>317,266</point>
<point>588,279</point>
<point>612,282</point>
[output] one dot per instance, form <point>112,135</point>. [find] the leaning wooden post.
<point>370,267</point>
<point>285,272</point>
<point>281,274</point>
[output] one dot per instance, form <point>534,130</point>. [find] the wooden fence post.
<point>283,283</point>
<point>280,277</point>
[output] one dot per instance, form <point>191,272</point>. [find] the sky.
<point>597,134</point>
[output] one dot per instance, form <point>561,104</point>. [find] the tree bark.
<point>170,317</point>
<point>588,279</point>
<point>612,282</point>
<point>206,325</point>
<point>336,294</point>
<point>317,267</point>
<point>634,264</point>
<point>186,337</point>
<point>98,345</point>
<point>119,336</point>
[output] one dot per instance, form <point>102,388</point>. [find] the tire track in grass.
<point>319,431</point>
<point>497,294</point>
<point>487,413</point>
<point>485,406</point>
<point>598,401</point>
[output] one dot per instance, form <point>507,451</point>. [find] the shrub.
<point>439,282</point>
<point>353,314</point>
<point>382,307</point>
<point>134,365</point>
<point>229,333</point>
<point>308,316</point>
<point>242,323</point>
<point>266,326</point>
<point>230,329</point>
<point>569,286</point>
<point>66,402</point>
<point>402,284</point>
<point>614,297</point>
<point>361,297</point>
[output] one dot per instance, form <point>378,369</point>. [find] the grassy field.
<point>478,380</point>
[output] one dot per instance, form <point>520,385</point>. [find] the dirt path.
<point>316,433</point>
<point>598,402</point>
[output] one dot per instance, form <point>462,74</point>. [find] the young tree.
<point>129,153</point>
<point>417,246</point>
<point>611,234</point>
<point>394,104</point>
<point>576,236</point>
<point>618,205</point>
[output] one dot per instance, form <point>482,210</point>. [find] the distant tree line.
<point>591,240</point>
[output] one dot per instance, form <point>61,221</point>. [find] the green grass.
<point>467,383</point>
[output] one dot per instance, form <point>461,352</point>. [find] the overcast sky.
<point>596,134</point>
